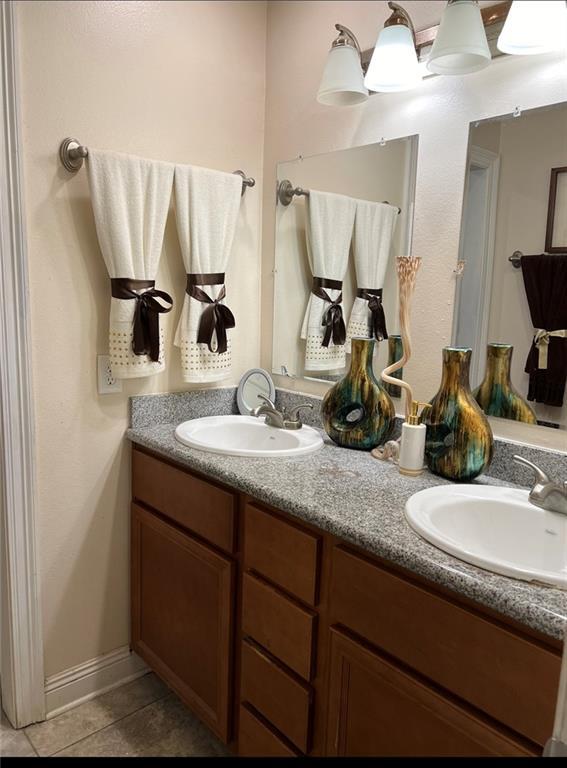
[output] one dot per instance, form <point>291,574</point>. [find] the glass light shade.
<point>534,27</point>
<point>461,45</point>
<point>342,82</point>
<point>394,65</point>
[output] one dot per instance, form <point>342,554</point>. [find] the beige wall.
<point>440,111</point>
<point>179,81</point>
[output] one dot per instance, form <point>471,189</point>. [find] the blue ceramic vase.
<point>358,412</point>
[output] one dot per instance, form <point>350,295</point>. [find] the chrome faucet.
<point>546,493</point>
<point>278,419</point>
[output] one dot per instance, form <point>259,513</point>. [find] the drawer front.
<point>475,658</point>
<point>182,598</point>
<point>204,508</point>
<point>255,739</point>
<point>282,699</point>
<point>375,708</point>
<point>284,628</point>
<point>283,553</point>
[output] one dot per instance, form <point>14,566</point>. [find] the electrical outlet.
<point>107,383</point>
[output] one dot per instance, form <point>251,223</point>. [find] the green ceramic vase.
<point>496,395</point>
<point>458,443</point>
<point>395,353</point>
<point>358,412</point>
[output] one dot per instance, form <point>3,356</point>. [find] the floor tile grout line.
<point>114,722</point>
<point>36,753</point>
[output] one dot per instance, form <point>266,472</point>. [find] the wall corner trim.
<point>91,678</point>
<point>21,665</point>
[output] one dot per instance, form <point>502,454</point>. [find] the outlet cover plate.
<point>107,384</point>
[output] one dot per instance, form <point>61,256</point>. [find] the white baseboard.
<point>78,684</point>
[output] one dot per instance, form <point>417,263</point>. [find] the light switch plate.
<point>107,384</point>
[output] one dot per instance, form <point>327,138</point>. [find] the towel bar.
<point>286,192</point>
<point>516,259</point>
<point>72,154</point>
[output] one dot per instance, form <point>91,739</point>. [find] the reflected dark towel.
<point>545,280</point>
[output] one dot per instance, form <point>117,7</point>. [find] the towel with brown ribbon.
<point>377,317</point>
<point>216,317</point>
<point>333,315</point>
<point>146,315</point>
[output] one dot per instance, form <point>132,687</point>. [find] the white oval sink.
<point>247,436</point>
<point>495,528</point>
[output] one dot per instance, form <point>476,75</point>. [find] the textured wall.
<point>179,81</point>
<point>440,111</point>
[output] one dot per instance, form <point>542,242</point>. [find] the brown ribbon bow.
<point>146,315</point>
<point>378,319</point>
<point>333,315</point>
<point>216,317</point>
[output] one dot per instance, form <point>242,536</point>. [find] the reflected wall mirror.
<point>364,224</point>
<point>511,295</point>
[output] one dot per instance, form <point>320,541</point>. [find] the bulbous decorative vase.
<point>496,395</point>
<point>358,412</point>
<point>458,443</point>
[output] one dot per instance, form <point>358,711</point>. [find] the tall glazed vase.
<point>496,395</point>
<point>459,443</point>
<point>358,412</point>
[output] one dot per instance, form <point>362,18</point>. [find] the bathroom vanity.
<point>287,639</point>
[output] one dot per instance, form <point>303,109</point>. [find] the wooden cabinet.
<point>375,708</point>
<point>473,657</point>
<point>286,641</point>
<point>182,614</point>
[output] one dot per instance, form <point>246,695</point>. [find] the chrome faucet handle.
<point>293,421</point>
<point>541,477</point>
<point>294,413</point>
<point>267,400</point>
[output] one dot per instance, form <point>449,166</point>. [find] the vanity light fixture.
<point>342,84</point>
<point>534,26</point>
<point>394,65</point>
<point>460,46</point>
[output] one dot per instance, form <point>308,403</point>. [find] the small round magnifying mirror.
<point>255,382</point>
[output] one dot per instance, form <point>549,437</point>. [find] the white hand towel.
<point>330,220</point>
<point>207,203</point>
<point>130,199</point>
<point>373,231</point>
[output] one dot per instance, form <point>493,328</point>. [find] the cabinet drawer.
<point>195,504</point>
<point>282,552</point>
<point>279,624</point>
<point>282,699</point>
<point>258,740</point>
<point>182,596</point>
<point>472,656</point>
<point>375,708</point>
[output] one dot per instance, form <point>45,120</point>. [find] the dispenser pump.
<point>415,417</point>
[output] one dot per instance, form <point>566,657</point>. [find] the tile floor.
<point>140,719</point>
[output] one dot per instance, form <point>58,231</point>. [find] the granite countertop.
<point>361,500</point>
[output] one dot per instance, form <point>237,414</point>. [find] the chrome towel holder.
<point>286,192</point>
<point>72,154</point>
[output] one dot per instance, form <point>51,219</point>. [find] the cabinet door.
<point>182,611</point>
<point>376,709</point>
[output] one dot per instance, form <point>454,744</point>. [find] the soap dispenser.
<point>412,444</point>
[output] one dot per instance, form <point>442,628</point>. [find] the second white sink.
<point>495,528</point>
<point>247,436</point>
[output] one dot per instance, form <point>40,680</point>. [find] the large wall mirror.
<point>511,299</point>
<point>350,236</point>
